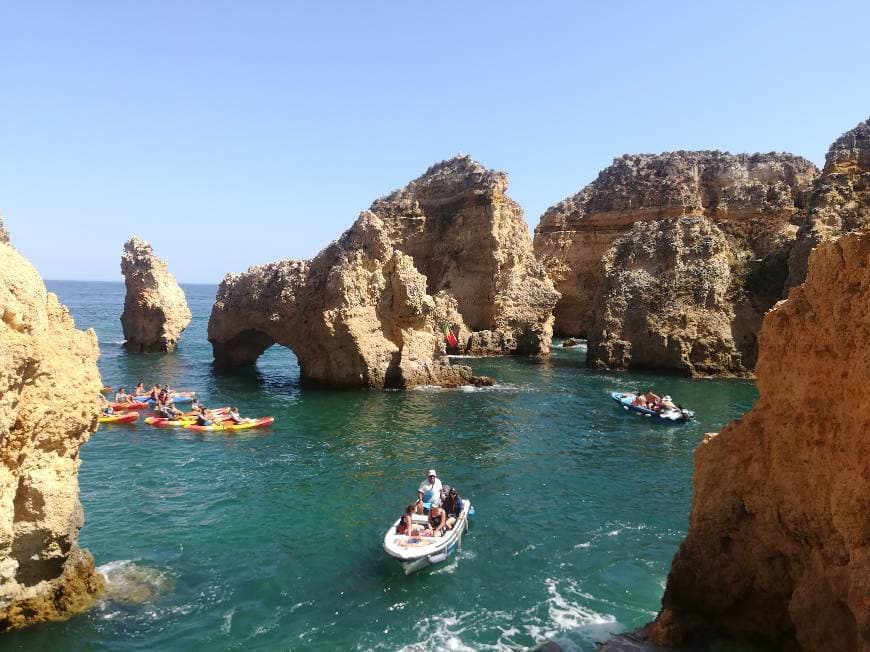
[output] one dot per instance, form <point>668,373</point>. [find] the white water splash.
<point>129,583</point>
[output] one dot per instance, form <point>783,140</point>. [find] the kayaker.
<point>233,415</point>
<point>452,505</point>
<point>106,406</point>
<point>202,417</point>
<point>139,390</point>
<point>122,396</point>
<point>430,489</point>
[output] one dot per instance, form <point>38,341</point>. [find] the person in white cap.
<point>430,489</point>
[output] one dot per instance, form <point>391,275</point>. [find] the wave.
<point>129,583</point>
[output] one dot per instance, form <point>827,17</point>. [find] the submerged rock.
<point>839,200</point>
<point>155,308</point>
<point>49,404</point>
<point>664,300</point>
<point>469,239</point>
<point>778,550</point>
<point>751,198</point>
<point>357,315</point>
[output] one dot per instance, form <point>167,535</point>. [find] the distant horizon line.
<point>85,280</point>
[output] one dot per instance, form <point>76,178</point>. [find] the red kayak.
<point>135,405</point>
<point>123,417</point>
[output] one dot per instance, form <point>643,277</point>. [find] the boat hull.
<point>416,553</point>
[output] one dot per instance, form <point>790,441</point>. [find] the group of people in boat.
<point>652,401</point>
<point>440,503</point>
<point>161,395</point>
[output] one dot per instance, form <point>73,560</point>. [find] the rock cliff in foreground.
<point>839,200</point>
<point>49,403</point>
<point>751,198</point>
<point>469,239</point>
<point>4,234</point>
<point>357,315</point>
<point>778,548</point>
<point>155,308</point>
<point>665,300</point>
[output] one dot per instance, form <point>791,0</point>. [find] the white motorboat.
<point>416,552</point>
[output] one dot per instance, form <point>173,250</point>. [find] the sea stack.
<point>839,200</point>
<point>49,404</point>
<point>357,315</point>
<point>155,308</point>
<point>751,199</point>
<point>469,239</point>
<point>778,548</point>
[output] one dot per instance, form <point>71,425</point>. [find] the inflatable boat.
<point>625,399</point>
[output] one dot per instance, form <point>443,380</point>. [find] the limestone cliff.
<point>49,404</point>
<point>751,198</point>
<point>664,300</point>
<point>155,308</point>
<point>469,239</point>
<point>839,200</point>
<point>4,234</point>
<point>357,315</point>
<point>778,548</point>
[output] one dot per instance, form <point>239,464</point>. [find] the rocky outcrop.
<point>4,234</point>
<point>664,300</point>
<point>751,198</point>
<point>155,308</point>
<point>469,239</point>
<point>778,548</point>
<point>839,200</point>
<point>357,315</point>
<point>49,404</point>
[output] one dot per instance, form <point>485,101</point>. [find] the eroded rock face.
<point>751,198</point>
<point>155,308</point>
<point>49,404</point>
<point>4,234</point>
<point>470,240</point>
<point>357,315</point>
<point>839,200</point>
<point>664,300</point>
<point>778,549</point>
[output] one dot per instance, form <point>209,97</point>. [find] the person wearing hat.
<point>667,403</point>
<point>430,489</point>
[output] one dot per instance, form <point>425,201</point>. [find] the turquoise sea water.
<point>271,540</point>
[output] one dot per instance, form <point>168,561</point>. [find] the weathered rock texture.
<point>839,200</point>
<point>751,198</point>
<point>778,549</point>
<point>357,315</point>
<point>664,300</point>
<point>4,234</point>
<point>469,239</point>
<point>49,404</point>
<point>155,308</point>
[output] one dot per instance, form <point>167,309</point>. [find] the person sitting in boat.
<point>452,506</point>
<point>106,406</point>
<point>233,415</point>
<point>406,523</point>
<point>639,401</point>
<point>139,390</point>
<point>430,489</point>
<point>122,396</point>
<point>653,401</point>
<point>667,403</point>
<point>437,521</point>
<point>203,418</point>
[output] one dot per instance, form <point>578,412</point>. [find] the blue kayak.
<point>625,399</point>
<point>185,397</point>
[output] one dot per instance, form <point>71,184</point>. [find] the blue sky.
<point>236,133</point>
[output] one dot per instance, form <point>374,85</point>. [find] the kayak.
<point>232,427</point>
<point>625,399</point>
<point>134,405</point>
<point>123,417</point>
<point>181,422</point>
